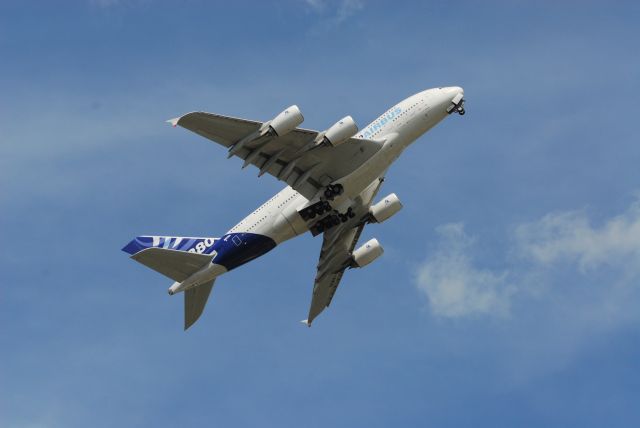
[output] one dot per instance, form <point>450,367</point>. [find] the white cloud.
<point>316,5</point>
<point>107,4</point>
<point>453,286</point>
<point>567,287</point>
<point>104,3</point>
<point>570,237</point>
<point>335,13</point>
<point>348,8</point>
<point>559,247</point>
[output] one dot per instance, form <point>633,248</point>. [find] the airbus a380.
<point>332,179</point>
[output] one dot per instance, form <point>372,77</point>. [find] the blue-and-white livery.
<point>332,178</point>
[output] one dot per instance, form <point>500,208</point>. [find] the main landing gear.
<point>314,210</point>
<point>331,221</point>
<point>332,191</point>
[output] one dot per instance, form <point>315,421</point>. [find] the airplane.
<point>332,178</point>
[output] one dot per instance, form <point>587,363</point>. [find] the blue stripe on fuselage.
<point>236,249</point>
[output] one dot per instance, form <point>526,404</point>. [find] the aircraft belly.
<point>286,225</point>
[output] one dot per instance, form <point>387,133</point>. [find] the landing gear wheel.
<point>333,190</point>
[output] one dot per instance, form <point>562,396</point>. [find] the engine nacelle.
<point>386,208</point>
<point>341,131</point>
<point>286,121</point>
<point>367,253</point>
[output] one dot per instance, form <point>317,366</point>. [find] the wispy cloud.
<point>317,5</point>
<point>570,238</point>
<point>348,8</point>
<point>549,251</point>
<point>107,4</point>
<point>567,285</point>
<point>454,286</point>
<point>104,3</point>
<point>333,13</point>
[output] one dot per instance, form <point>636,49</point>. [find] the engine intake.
<point>367,253</point>
<point>341,131</point>
<point>286,121</point>
<point>386,208</point>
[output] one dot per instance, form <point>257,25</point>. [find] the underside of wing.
<point>294,157</point>
<point>334,261</point>
<point>336,253</point>
<point>224,130</point>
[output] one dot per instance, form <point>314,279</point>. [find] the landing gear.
<point>331,221</point>
<point>325,224</point>
<point>344,217</point>
<point>333,190</point>
<point>314,210</point>
<point>457,105</point>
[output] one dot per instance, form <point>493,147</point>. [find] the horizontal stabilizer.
<point>177,265</point>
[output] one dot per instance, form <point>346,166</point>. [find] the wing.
<point>337,245</point>
<point>286,157</point>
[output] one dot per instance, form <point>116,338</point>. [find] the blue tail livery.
<point>176,243</point>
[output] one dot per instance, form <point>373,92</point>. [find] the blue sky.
<point>509,292</point>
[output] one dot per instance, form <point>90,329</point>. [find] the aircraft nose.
<point>453,99</point>
<point>454,90</point>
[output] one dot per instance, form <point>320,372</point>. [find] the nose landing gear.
<point>457,105</point>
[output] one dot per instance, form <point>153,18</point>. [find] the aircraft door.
<point>425,109</point>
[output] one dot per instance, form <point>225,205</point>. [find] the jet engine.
<point>367,253</point>
<point>286,121</point>
<point>386,208</point>
<point>340,132</point>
